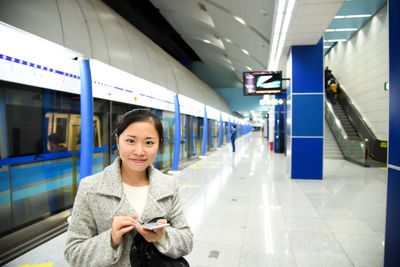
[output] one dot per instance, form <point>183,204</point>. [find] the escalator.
<point>355,139</point>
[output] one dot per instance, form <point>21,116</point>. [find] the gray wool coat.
<point>100,198</point>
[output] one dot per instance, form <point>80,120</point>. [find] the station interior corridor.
<point>245,211</point>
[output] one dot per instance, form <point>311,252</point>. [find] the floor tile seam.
<point>344,250</point>
<point>242,248</point>
<point>291,248</point>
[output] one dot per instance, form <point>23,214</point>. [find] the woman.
<point>111,205</point>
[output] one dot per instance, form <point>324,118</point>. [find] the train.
<point>40,124</point>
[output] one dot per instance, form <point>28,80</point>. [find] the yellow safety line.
<point>39,265</point>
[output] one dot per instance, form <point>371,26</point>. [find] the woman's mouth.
<point>138,160</point>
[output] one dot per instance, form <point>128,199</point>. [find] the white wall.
<point>361,66</point>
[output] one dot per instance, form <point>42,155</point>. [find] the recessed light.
<point>263,12</point>
<point>202,7</point>
<point>240,20</point>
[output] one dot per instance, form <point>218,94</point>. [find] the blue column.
<point>205,132</point>
<point>177,142</point>
<point>192,135</point>
<point>221,129</point>
<point>86,118</point>
<point>307,112</point>
<point>392,239</point>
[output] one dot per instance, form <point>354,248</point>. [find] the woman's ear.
<point>116,140</point>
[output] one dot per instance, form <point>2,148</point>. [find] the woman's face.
<point>138,146</point>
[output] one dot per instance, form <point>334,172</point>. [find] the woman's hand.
<point>151,235</point>
<point>120,226</point>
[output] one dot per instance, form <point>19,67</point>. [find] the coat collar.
<point>111,183</point>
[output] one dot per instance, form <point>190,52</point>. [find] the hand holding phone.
<point>153,226</point>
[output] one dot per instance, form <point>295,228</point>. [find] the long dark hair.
<point>142,115</point>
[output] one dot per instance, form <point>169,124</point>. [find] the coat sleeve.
<point>85,246</point>
<point>179,236</point>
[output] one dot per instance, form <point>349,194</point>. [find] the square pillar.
<point>392,237</point>
<point>305,134</point>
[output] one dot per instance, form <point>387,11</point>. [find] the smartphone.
<point>153,226</point>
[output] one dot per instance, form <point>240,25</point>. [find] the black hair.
<point>234,126</point>
<point>141,115</point>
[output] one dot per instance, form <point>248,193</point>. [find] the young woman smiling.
<point>130,191</point>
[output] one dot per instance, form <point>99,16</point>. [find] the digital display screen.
<point>262,82</point>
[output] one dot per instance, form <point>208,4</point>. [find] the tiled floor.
<point>245,211</point>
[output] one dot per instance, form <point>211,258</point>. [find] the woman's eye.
<point>131,141</point>
<point>149,143</point>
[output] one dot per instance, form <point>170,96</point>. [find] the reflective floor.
<point>245,211</point>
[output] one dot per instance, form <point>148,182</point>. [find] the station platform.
<point>245,211</point>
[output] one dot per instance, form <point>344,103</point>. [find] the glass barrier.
<point>354,150</point>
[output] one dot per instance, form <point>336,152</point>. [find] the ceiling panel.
<point>207,24</point>
<point>343,28</point>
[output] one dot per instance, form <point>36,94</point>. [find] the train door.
<point>196,137</point>
<point>215,131</point>
<point>187,137</point>
<point>74,139</point>
<point>183,154</point>
<point>57,132</point>
<point>200,123</point>
<point>209,135</point>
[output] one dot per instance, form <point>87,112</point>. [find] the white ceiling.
<point>210,29</point>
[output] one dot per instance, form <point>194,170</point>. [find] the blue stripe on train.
<point>42,188</point>
<point>25,176</point>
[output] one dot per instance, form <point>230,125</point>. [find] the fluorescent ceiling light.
<point>327,46</point>
<point>247,67</point>
<point>228,40</point>
<point>353,16</point>
<point>341,30</point>
<point>207,41</point>
<point>334,40</point>
<point>245,51</point>
<point>275,38</point>
<point>240,20</point>
<point>285,27</point>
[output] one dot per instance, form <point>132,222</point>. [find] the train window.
<point>61,129</point>
<point>25,120</point>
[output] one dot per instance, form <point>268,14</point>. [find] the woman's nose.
<point>139,149</point>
